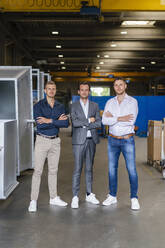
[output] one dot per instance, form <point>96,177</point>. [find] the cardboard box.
<point>154,141</point>
<point>163,140</point>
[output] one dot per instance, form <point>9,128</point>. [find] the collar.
<point>45,101</point>
<point>81,102</point>
<point>126,97</point>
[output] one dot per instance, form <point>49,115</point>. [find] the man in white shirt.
<point>120,115</point>
<point>86,119</point>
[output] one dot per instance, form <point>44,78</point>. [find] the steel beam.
<point>74,6</point>
<point>103,75</point>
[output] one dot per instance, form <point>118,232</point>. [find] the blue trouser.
<point>127,147</point>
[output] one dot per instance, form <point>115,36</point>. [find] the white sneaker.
<point>33,206</point>
<point>75,202</point>
<point>135,204</point>
<point>110,200</point>
<point>163,173</point>
<point>58,202</point>
<point>92,199</point>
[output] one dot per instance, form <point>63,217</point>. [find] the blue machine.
<point>150,108</point>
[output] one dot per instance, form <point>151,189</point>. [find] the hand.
<point>92,119</point>
<point>42,120</point>
<point>108,114</point>
<point>125,118</point>
<point>63,117</point>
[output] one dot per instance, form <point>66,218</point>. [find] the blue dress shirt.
<point>43,109</point>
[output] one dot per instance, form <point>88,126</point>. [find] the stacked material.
<point>156,144</point>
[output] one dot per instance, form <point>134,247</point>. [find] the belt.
<point>48,137</point>
<point>122,137</point>
<point>89,137</point>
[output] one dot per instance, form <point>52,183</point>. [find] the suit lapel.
<point>81,109</point>
<point>89,109</point>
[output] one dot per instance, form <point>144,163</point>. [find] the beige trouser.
<point>50,149</point>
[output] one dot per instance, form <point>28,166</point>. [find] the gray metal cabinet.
<point>8,157</point>
<point>17,103</point>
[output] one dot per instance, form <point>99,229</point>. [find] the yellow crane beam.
<point>104,77</point>
<point>75,5</point>
<point>107,74</point>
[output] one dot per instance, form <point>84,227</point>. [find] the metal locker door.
<point>25,113</point>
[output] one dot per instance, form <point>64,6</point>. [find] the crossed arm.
<point>111,119</point>
<point>41,120</point>
<point>48,123</point>
<point>124,118</point>
<point>90,123</point>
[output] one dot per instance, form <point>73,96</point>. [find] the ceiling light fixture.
<point>143,67</point>
<point>138,23</point>
<point>62,62</point>
<point>98,67</point>
<point>123,32</point>
<point>60,55</point>
<point>113,45</point>
<point>153,62</point>
<point>58,46</point>
<point>55,32</point>
<point>98,56</point>
<point>101,63</point>
<point>63,67</point>
<point>106,56</point>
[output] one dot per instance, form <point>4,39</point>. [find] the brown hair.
<point>50,82</point>
<point>119,78</point>
<point>84,83</point>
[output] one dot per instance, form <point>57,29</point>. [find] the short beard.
<point>121,93</point>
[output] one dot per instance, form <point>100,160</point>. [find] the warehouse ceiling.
<point>88,43</point>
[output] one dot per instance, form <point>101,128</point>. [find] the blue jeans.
<point>127,147</point>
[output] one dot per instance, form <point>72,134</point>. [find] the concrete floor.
<point>89,226</point>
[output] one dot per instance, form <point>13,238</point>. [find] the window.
<point>100,91</point>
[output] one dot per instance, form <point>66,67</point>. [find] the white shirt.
<point>127,106</point>
<point>85,108</point>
